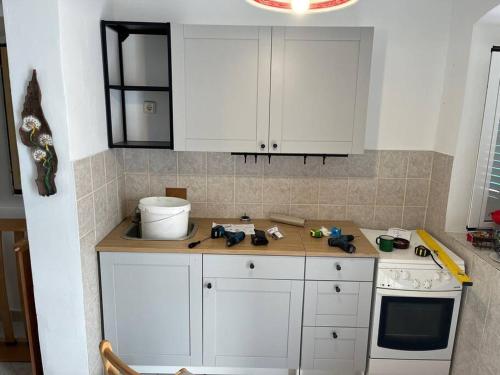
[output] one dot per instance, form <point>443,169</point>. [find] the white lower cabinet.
<point>251,322</point>
<point>152,307</point>
<point>338,350</point>
<point>337,304</point>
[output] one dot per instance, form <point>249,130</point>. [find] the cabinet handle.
<point>275,146</point>
<point>334,334</point>
<point>252,266</point>
<point>209,286</point>
<point>338,267</point>
<point>262,146</point>
<point>337,288</point>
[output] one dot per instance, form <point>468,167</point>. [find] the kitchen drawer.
<point>344,269</point>
<point>253,267</point>
<point>340,351</point>
<point>337,303</point>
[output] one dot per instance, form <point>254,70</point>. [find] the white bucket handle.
<point>164,218</point>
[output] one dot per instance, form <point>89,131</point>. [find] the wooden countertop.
<point>297,241</point>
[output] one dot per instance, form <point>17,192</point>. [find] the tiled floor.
<point>15,369</point>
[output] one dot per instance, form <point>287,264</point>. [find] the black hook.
<point>269,157</point>
<point>255,158</point>
<point>305,159</point>
<point>245,156</point>
<point>324,158</point>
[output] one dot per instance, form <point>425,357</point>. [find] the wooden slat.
<point>5,316</point>
<point>28,300</point>
<point>13,225</point>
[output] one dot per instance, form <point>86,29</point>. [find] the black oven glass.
<point>412,323</point>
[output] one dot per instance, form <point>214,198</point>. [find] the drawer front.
<point>253,267</point>
<point>337,303</point>
<point>343,269</point>
<point>335,349</point>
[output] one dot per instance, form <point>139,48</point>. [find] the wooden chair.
<point>113,365</point>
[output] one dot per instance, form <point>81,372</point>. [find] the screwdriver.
<point>196,243</point>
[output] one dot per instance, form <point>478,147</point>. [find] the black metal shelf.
<point>139,88</point>
<point>123,31</point>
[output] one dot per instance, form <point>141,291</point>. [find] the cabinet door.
<point>339,351</point>
<point>252,323</point>
<point>222,82</point>
<point>152,307</point>
<point>319,89</point>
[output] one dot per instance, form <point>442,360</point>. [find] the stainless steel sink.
<point>133,232</point>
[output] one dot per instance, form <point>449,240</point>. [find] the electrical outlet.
<point>149,107</point>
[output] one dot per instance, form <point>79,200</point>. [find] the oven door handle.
<point>418,293</point>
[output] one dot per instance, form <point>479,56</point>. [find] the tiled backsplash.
<point>377,189</point>
<point>100,195</point>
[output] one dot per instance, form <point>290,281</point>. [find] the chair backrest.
<point>113,365</point>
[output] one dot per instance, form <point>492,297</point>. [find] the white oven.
<point>414,324</point>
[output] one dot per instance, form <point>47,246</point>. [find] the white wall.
<point>52,221</point>
<point>409,54</point>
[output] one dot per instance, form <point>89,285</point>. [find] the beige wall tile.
<point>196,187</point>
<point>192,163</point>
<point>417,191</point>
<point>159,183</point>
<point>268,209</point>
<point>298,169</point>
<point>83,177</point>
<point>112,204</point>
<point>120,162</point>
<point>198,209</point>
<point>393,164</point>
<point>98,171</point>
<point>136,186</point>
<point>390,191</point>
<point>220,164</point>
<point>364,165</point>
<point>110,165</point>
<point>413,217</point>
<point>162,162</point>
<point>250,168</point>
<point>306,211</point>
<point>248,190</point>
<point>441,167</point>
<point>420,164</point>
<point>122,201</point>
<point>331,212</point>
<point>388,217</point>
<point>102,224</point>
<point>220,189</point>
<point>220,210</point>
<point>135,160</point>
<point>361,215</point>
<point>85,208</point>
<point>362,191</point>
<point>335,167</point>
<point>276,190</point>
<point>333,191</point>
<point>304,190</point>
<point>279,166</point>
<point>251,209</point>
<point>131,206</point>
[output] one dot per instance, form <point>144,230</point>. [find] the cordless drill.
<point>233,238</point>
<point>343,242</point>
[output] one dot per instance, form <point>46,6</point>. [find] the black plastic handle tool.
<point>196,243</point>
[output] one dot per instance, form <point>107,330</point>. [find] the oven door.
<point>414,324</point>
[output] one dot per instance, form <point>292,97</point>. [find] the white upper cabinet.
<point>277,90</point>
<point>319,89</point>
<point>222,87</point>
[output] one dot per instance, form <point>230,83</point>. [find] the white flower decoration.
<point>39,154</point>
<point>30,123</point>
<point>45,140</point>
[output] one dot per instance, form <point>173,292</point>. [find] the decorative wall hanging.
<point>35,133</point>
<point>302,6</point>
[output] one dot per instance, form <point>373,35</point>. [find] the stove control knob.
<point>405,275</point>
<point>416,283</point>
<point>437,276</point>
<point>395,275</point>
<point>446,276</point>
<point>427,284</point>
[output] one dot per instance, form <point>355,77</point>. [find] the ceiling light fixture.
<point>302,6</point>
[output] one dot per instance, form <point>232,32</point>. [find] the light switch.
<point>149,107</point>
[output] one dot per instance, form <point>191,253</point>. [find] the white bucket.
<point>164,218</point>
